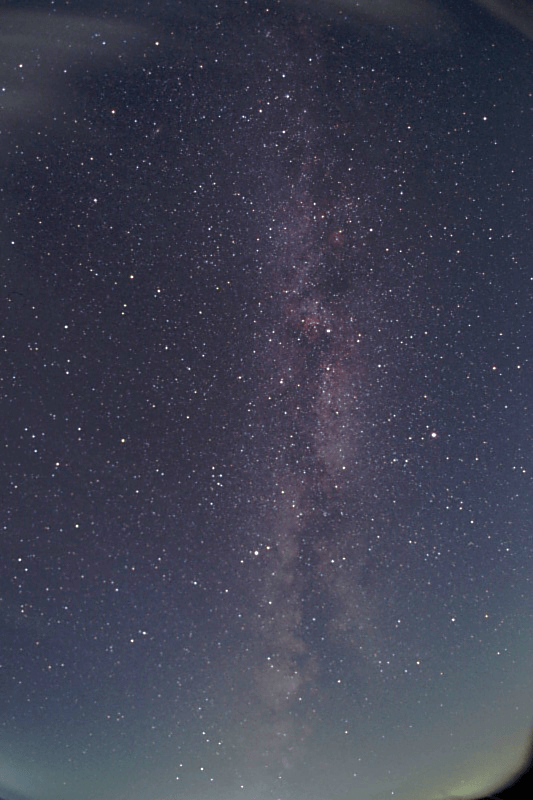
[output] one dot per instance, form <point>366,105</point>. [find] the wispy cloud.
<point>41,50</point>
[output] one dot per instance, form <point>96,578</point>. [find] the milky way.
<point>309,547</point>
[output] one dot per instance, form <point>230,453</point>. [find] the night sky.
<point>265,496</point>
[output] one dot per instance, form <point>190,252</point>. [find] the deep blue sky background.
<point>265,386</point>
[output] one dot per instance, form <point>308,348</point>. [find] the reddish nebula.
<point>336,239</point>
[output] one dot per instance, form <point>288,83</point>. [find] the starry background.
<point>265,491</point>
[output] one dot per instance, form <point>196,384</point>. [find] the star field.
<point>265,389</point>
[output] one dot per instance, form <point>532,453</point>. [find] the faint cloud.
<point>424,17</point>
<point>40,50</point>
<point>410,17</point>
<point>390,11</point>
<point>518,13</point>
